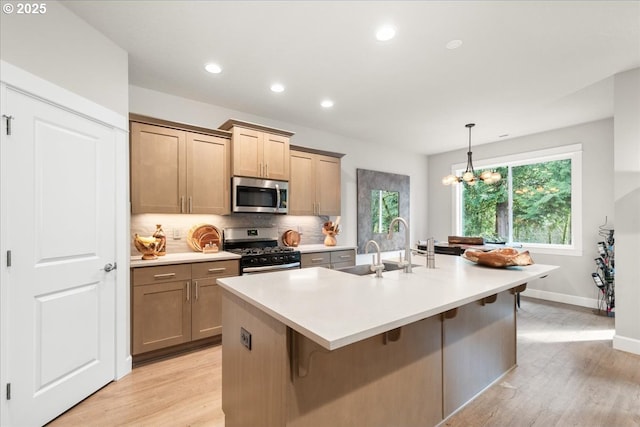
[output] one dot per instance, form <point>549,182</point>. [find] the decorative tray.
<point>202,235</point>
<point>291,238</point>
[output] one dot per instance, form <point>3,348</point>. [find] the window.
<point>536,205</point>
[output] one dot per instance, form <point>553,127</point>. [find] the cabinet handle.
<point>317,259</point>
<point>181,204</point>
<point>217,270</point>
<point>188,290</point>
<point>164,276</point>
<point>196,283</point>
<point>190,204</point>
<point>345,256</point>
<point>266,170</point>
<point>318,212</point>
<point>260,169</point>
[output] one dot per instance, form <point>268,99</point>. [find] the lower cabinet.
<point>176,304</point>
<point>329,259</point>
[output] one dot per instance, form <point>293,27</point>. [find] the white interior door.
<point>61,234</point>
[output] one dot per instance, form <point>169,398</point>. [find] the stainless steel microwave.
<point>259,195</point>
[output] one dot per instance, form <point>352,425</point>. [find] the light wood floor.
<point>567,375</point>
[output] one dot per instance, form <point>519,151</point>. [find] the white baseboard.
<point>630,345</point>
<point>563,298</point>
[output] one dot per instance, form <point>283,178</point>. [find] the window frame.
<point>572,152</point>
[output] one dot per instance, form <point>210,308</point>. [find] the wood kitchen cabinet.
<point>174,170</point>
<point>161,307</point>
<point>329,259</point>
<point>206,315</point>
<point>258,151</point>
<point>176,304</point>
<point>314,185</point>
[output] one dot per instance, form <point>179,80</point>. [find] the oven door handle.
<point>270,268</point>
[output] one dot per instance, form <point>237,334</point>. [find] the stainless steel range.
<point>259,250</point>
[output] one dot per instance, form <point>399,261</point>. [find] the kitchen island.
<point>315,347</point>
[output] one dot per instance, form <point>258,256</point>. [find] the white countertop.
<point>322,248</point>
<point>336,309</point>
<point>181,258</point>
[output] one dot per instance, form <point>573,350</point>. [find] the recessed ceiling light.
<point>385,33</point>
<point>454,44</point>
<point>213,68</point>
<point>327,103</point>
<point>277,87</point>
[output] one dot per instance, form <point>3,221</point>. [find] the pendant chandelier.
<point>469,176</point>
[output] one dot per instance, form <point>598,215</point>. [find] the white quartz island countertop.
<point>335,309</point>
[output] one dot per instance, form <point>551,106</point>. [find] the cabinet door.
<point>161,315</point>
<point>158,183</point>
<point>327,185</point>
<point>208,176</point>
<point>247,152</point>
<point>275,157</point>
<point>206,309</point>
<point>302,197</point>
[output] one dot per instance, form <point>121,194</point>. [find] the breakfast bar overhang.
<point>318,347</point>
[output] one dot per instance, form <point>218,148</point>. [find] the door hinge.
<point>8,258</point>
<point>8,121</point>
<point>8,391</point>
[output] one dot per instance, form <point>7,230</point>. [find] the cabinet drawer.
<point>161,274</point>
<point>316,259</point>
<point>347,257</point>
<point>215,269</point>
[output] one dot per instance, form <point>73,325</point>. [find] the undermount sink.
<point>364,269</point>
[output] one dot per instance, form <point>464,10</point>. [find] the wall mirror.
<point>382,196</point>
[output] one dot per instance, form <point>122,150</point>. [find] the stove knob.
<point>263,259</point>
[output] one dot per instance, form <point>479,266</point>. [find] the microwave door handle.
<point>278,198</point>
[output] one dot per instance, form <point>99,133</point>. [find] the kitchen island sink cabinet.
<point>315,346</point>
<point>258,151</point>
<point>327,256</point>
<point>176,304</point>
<point>177,170</point>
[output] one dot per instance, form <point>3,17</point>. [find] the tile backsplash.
<point>177,226</point>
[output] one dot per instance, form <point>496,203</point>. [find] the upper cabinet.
<point>178,169</point>
<point>258,151</point>
<point>314,186</point>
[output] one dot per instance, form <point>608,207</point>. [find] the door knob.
<point>108,267</point>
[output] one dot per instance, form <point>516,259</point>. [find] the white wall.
<point>627,208</point>
<point>572,283</point>
<point>358,154</point>
<point>63,49</point>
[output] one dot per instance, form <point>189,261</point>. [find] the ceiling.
<point>524,66</point>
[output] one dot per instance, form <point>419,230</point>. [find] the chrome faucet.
<point>376,264</point>
<point>406,263</point>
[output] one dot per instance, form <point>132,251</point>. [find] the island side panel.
<point>479,346</point>
<point>253,381</point>
<point>369,383</point>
